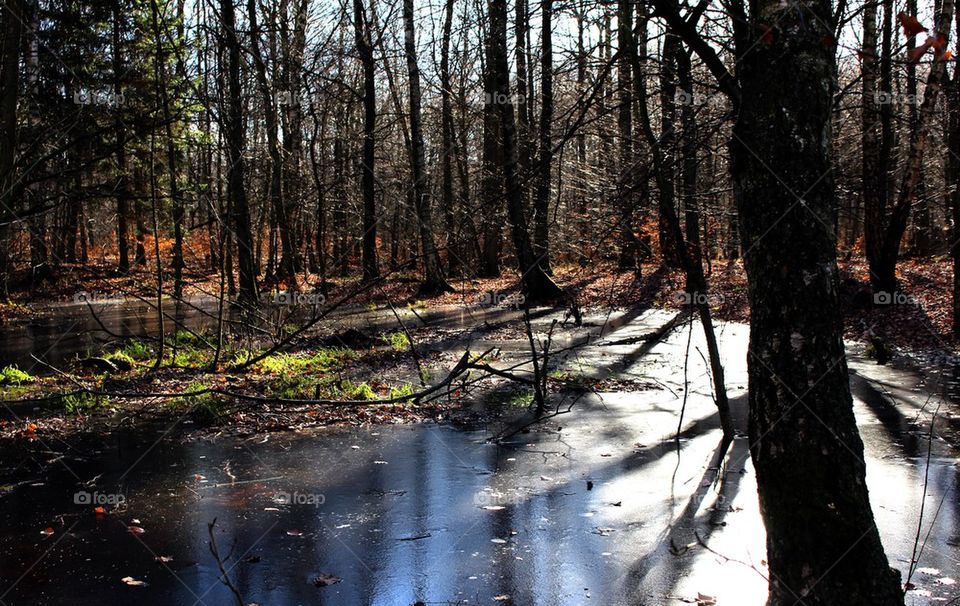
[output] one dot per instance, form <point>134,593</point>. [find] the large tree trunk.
<point>287,267</point>
<point>361,25</point>
<point>537,284</point>
<point>162,84</point>
<point>236,192</point>
<point>541,207</point>
<point>627,259</point>
<point>120,132</point>
<point>886,252</point>
<point>448,144</point>
<point>12,15</point>
<point>823,547</point>
<point>433,279</point>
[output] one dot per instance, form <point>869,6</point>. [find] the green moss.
<point>76,403</point>
<point>11,375</point>
<point>358,392</point>
<point>135,350</point>
<point>322,360</point>
<point>399,341</point>
<point>404,390</point>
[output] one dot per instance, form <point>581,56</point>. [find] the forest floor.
<point>918,320</point>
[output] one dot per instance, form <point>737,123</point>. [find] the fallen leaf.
<point>47,531</point>
<point>135,530</point>
<point>99,510</point>
<point>295,532</point>
<point>133,582</point>
<point>163,559</point>
<point>501,598</point>
<point>705,600</point>
<point>324,580</point>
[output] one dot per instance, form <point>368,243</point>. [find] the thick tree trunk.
<point>823,547</point>
<point>434,281</point>
<point>541,207</point>
<point>627,259</point>
<point>236,192</point>
<point>886,253</point>
<point>371,268</point>
<point>537,284</point>
<point>12,16</point>
<point>120,132</point>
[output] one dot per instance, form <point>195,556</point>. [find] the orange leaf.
<point>911,27</point>
<point>948,54</point>
<point>99,510</point>
<point>47,531</point>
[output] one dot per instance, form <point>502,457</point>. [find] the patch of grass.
<point>208,408</point>
<point>12,375</point>
<point>358,392</point>
<point>321,360</point>
<point>521,399</point>
<point>76,403</point>
<point>398,341</point>
<point>403,391</point>
<point>184,337</point>
<point>135,350</point>
<point>418,304</point>
<point>292,386</point>
<point>120,356</point>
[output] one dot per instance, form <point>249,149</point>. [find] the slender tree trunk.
<point>172,164</point>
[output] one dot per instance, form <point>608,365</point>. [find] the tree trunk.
<point>627,259</point>
<point>10,45</point>
<point>433,278</point>
<point>541,209</point>
<point>823,546</point>
<point>236,192</point>
<point>371,268</point>
<point>537,284</point>
<point>120,132</point>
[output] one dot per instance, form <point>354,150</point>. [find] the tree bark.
<point>236,191</point>
<point>434,281</point>
<point>537,284</point>
<point>823,546</point>
<point>361,25</point>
